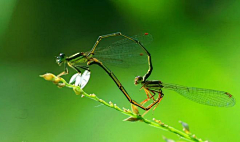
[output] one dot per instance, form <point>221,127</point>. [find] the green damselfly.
<point>199,95</point>
<point>121,53</point>
<point>129,47</point>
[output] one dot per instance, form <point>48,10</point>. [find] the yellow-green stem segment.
<point>60,82</point>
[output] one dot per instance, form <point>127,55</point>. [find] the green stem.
<point>133,116</point>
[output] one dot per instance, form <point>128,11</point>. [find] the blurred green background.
<point>196,43</point>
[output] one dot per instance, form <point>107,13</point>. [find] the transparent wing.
<point>203,96</point>
<point>125,52</point>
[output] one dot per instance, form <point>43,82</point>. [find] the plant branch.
<point>133,115</point>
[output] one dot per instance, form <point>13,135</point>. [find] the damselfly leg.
<point>118,83</point>
<point>160,96</point>
<point>144,78</point>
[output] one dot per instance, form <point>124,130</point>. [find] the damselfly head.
<point>138,80</point>
<point>60,59</point>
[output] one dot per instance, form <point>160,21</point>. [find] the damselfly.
<point>199,95</point>
<point>121,53</point>
<point>151,87</point>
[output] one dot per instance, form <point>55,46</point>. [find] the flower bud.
<point>134,109</point>
<point>48,76</point>
<point>185,127</point>
<point>131,119</point>
<point>124,109</point>
<point>110,103</point>
<point>77,91</point>
<point>60,85</point>
<point>92,95</point>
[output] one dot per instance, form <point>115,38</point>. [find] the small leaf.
<point>131,119</point>
<point>134,109</point>
<point>185,127</point>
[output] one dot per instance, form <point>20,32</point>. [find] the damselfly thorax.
<point>153,85</point>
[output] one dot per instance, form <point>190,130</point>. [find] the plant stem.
<point>133,115</point>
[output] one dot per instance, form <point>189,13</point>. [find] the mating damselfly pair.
<point>130,51</point>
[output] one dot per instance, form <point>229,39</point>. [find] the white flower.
<point>80,80</point>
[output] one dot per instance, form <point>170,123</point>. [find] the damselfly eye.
<point>61,58</point>
<point>62,55</point>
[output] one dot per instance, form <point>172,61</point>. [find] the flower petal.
<point>85,78</point>
<point>73,78</point>
<point>78,80</point>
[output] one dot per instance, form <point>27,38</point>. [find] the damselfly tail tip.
<point>232,100</point>
<point>229,95</point>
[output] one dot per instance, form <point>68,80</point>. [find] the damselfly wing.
<point>203,96</point>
